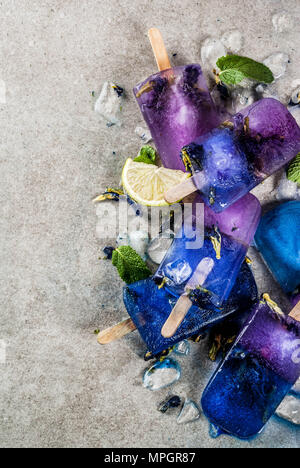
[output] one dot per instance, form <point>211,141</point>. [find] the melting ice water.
<point>162,374</point>
<point>189,413</point>
<point>289,409</point>
<point>178,272</point>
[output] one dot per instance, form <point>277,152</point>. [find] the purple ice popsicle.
<point>177,108</point>
<point>231,160</point>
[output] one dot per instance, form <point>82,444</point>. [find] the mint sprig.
<point>130,265</point>
<point>235,68</point>
<point>146,155</point>
<point>293,172</point>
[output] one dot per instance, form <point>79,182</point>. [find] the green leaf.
<point>130,265</point>
<point>235,68</point>
<point>293,172</point>
<point>146,155</point>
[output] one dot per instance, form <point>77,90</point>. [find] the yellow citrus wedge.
<point>147,183</point>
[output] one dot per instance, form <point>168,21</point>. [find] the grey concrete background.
<point>59,388</point>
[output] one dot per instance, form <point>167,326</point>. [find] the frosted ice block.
<point>257,373</point>
<point>278,240</point>
<point>149,307</point>
<point>231,160</point>
<point>227,237</point>
<point>177,108</point>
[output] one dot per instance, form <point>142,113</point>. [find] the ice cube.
<point>277,63</point>
<point>296,387</point>
<point>295,97</point>
<point>178,272</point>
<point>144,134</point>
<point>139,241</point>
<point>123,239</point>
<point>295,111</point>
<point>189,413</point>
<point>183,348</point>
<point>233,40</point>
<point>109,103</point>
<point>158,248</point>
<point>289,409</point>
<point>211,50</point>
<point>162,374</point>
<point>242,97</point>
<point>267,91</point>
<point>282,21</point>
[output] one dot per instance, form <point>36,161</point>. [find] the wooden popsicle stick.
<point>116,332</point>
<point>295,313</point>
<point>180,191</point>
<point>177,316</point>
<point>184,303</point>
<point>159,49</point>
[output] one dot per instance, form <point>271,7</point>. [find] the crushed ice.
<point>277,63</point>
<point>289,409</point>
<point>189,413</point>
<point>282,21</point>
<point>109,103</point>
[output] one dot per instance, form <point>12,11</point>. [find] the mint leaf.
<point>146,155</point>
<point>293,172</point>
<point>130,265</point>
<point>235,68</point>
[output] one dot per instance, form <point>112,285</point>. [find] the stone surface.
<point>59,388</point>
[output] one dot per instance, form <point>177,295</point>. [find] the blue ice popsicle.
<point>257,373</point>
<point>278,240</point>
<point>227,236</point>
<point>149,307</point>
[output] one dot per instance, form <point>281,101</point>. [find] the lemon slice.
<point>147,183</point>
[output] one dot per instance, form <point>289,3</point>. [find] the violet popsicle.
<point>227,237</point>
<point>231,160</point>
<point>257,373</point>
<point>278,240</point>
<point>176,106</point>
